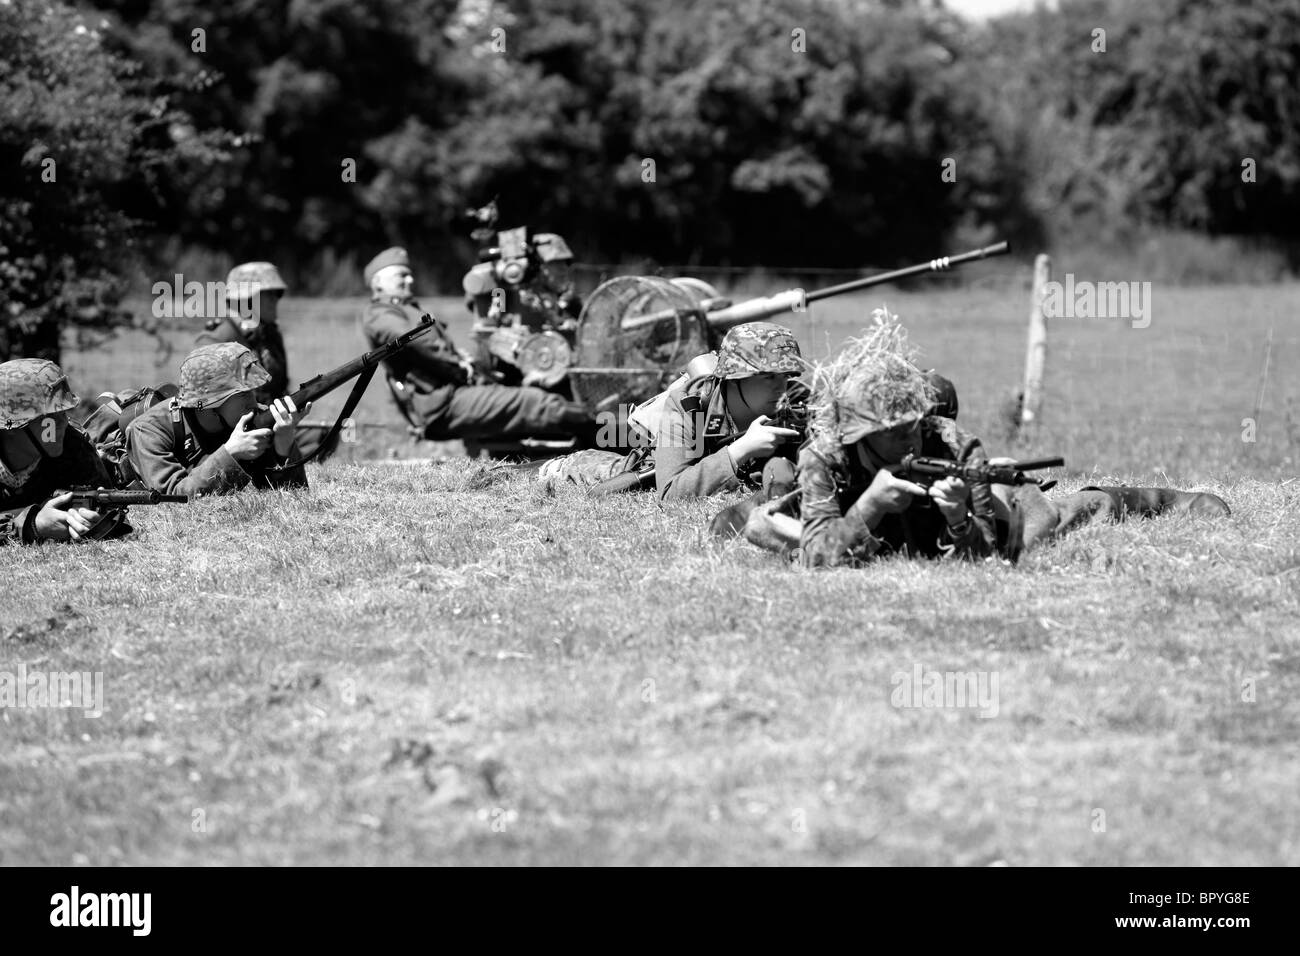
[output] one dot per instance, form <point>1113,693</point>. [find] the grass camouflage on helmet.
<point>871,386</point>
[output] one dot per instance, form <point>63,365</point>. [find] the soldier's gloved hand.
<point>287,415</point>
<point>759,441</point>
<point>246,444</point>
<point>57,522</point>
<point>950,496</point>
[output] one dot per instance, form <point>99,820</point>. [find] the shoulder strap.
<point>354,398</point>
<point>178,435</point>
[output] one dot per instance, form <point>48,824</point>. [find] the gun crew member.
<point>713,431</point>
<point>200,442</point>
<point>436,385</point>
<point>41,453</point>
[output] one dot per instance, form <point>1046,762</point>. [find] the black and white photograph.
<point>651,433</point>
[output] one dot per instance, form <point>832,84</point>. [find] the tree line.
<point>793,133</point>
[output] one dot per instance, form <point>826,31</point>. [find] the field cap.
<point>394,256</point>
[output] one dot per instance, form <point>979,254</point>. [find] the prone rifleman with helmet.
<point>41,454</point>
<point>713,430</point>
<point>201,442</point>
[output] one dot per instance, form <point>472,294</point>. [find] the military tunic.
<point>267,343</point>
<point>835,531</point>
<point>174,456</point>
<point>22,500</point>
<point>441,401</point>
<point>690,452</point>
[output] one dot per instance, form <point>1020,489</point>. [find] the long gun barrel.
<point>931,469</point>
<point>796,299</point>
<point>326,382</point>
<point>97,498</point>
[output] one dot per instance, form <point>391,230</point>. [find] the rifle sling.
<point>354,398</point>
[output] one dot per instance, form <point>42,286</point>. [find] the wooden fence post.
<point>1036,355</point>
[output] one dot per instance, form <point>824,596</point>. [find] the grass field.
<point>442,664</point>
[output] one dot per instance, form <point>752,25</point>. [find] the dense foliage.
<point>788,133</point>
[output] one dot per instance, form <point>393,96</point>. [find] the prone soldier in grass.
<point>871,409</point>
<point>715,431</point>
<point>41,454</point>
<point>200,441</point>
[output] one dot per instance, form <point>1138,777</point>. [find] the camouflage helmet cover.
<point>212,373</point>
<point>551,247</point>
<point>30,388</point>
<point>250,278</point>
<point>758,348</point>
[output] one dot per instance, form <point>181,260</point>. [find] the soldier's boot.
<point>1150,502</point>
<point>1026,517</point>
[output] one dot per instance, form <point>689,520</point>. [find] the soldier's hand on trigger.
<point>57,522</point>
<point>287,415</point>
<point>759,441</point>
<point>891,494</point>
<point>248,444</point>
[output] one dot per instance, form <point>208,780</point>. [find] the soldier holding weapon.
<point>881,475</point>
<point>41,453</point>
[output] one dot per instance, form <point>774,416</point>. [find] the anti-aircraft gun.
<point>521,294</point>
<point>636,333</point>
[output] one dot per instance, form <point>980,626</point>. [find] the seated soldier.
<point>41,454</point>
<point>714,432</point>
<point>200,442</point>
<point>870,410</point>
<point>436,385</point>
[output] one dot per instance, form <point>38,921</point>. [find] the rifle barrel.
<point>326,382</point>
<point>794,299</point>
<point>1035,464</point>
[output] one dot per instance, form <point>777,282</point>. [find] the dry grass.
<point>441,664</point>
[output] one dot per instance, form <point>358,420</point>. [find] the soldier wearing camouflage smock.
<point>253,293</point>
<point>713,432</point>
<point>436,385</point>
<point>42,454</point>
<point>870,410</point>
<point>200,441</point>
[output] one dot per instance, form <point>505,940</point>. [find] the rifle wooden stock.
<point>326,382</point>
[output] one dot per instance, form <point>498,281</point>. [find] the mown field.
<point>440,663</point>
